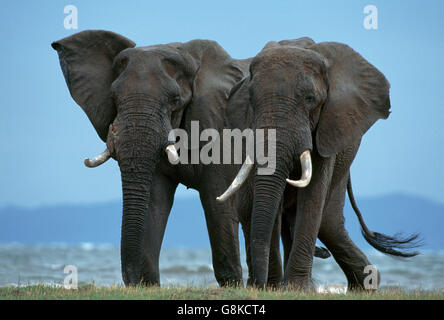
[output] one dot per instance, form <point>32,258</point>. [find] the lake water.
<point>100,265</point>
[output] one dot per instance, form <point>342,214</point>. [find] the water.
<point>100,265</point>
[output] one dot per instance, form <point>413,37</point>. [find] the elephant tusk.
<point>97,161</point>
<point>238,181</point>
<point>306,171</point>
<point>171,151</point>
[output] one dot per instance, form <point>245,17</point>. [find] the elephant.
<point>320,98</point>
<point>134,97</point>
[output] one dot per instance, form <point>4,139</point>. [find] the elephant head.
<point>320,98</point>
<point>133,98</point>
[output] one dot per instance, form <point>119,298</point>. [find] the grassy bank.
<point>91,292</point>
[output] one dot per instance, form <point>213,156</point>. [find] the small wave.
<point>338,289</point>
<point>20,263</point>
<point>87,246</point>
<point>34,284</point>
<point>187,269</point>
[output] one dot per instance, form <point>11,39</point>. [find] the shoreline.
<point>92,292</point>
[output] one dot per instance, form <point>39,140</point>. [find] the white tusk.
<point>306,171</point>
<point>239,180</point>
<point>97,161</point>
<point>171,151</point>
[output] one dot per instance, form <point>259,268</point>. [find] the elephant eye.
<point>310,98</point>
<point>120,65</point>
<point>174,99</point>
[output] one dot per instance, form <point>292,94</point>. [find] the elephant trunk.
<point>141,140</point>
<point>136,185</point>
<point>269,190</point>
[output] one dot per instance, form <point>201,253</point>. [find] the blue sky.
<point>44,135</point>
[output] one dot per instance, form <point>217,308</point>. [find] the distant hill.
<point>100,223</point>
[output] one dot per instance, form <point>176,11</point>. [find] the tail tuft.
<point>398,245</point>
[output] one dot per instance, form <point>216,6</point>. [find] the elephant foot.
<point>365,284</point>
<point>142,283</point>
<point>274,285</point>
<point>357,287</point>
<point>232,283</point>
<point>305,285</point>
<point>251,284</point>
<point>365,278</point>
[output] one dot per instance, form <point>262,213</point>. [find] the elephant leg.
<point>223,230</point>
<point>275,272</point>
<point>333,234</point>
<point>310,205</point>
<point>286,235</point>
<point>162,196</point>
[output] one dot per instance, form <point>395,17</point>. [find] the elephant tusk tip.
<point>90,163</point>
<point>299,183</point>
<point>97,161</point>
<point>306,171</point>
<point>173,160</point>
<point>222,198</point>
<point>172,154</point>
<point>238,181</point>
<point>87,163</point>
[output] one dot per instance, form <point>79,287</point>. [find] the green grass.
<point>91,292</point>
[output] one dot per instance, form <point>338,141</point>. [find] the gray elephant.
<point>134,97</point>
<point>320,98</point>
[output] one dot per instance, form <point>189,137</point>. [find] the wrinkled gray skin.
<point>319,97</point>
<point>134,97</point>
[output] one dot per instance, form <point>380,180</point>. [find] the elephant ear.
<point>358,96</point>
<point>217,74</point>
<point>86,60</point>
<point>237,86</point>
<point>303,42</point>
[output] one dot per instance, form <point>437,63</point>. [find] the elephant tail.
<point>397,245</point>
